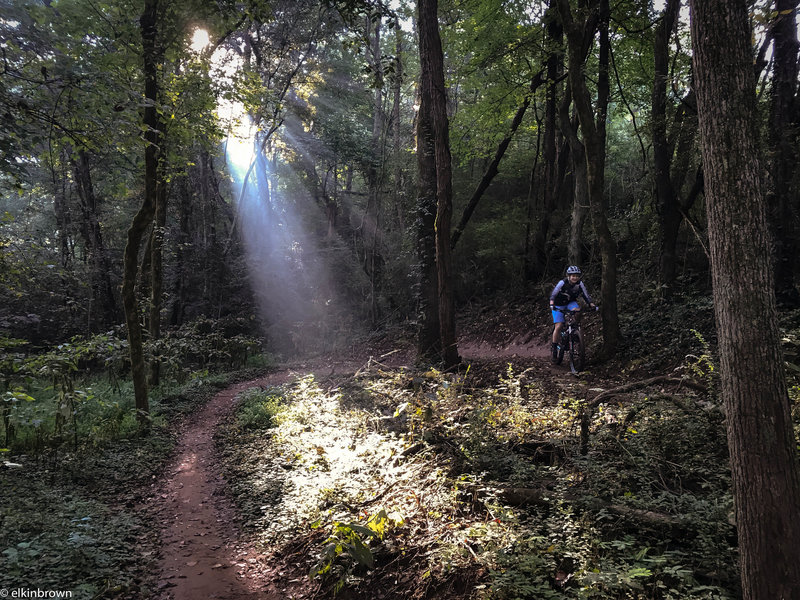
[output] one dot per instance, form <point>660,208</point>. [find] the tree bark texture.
<point>766,478</point>
<point>666,204</point>
<point>429,347</point>
<point>432,70</point>
<point>105,310</point>
<point>580,179</point>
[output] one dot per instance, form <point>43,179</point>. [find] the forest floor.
<point>376,480</point>
<point>358,475</point>
<point>202,551</point>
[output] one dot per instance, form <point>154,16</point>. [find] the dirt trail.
<point>200,557</point>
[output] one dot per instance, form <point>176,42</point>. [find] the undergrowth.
<point>481,491</point>
<point>72,520</point>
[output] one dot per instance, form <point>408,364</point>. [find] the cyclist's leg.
<point>558,321</point>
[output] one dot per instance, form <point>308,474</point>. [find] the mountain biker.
<point>565,297</point>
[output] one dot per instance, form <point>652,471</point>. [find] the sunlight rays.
<point>288,276</point>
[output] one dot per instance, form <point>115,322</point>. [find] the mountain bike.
<point>571,341</point>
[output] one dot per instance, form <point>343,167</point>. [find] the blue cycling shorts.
<point>558,316</point>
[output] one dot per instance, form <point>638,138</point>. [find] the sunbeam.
<point>288,276</point>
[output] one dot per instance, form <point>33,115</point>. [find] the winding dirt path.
<point>201,556</point>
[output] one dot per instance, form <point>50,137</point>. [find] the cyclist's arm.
<point>555,292</point>
<point>586,295</point>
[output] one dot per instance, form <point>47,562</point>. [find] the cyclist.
<point>565,297</point>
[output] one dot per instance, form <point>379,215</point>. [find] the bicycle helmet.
<point>573,270</point>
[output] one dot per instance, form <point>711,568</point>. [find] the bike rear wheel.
<point>577,353</point>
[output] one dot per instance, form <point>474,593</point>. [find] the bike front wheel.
<point>577,353</point>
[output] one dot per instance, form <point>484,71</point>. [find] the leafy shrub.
<point>54,397</point>
<point>258,408</point>
<point>203,344</point>
<point>347,548</point>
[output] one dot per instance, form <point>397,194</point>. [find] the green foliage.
<point>63,539</point>
<point>258,408</point>
<point>703,365</point>
<point>74,392</point>
<point>348,548</point>
<point>204,344</point>
<point>77,524</point>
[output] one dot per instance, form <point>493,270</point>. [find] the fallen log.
<point>588,406</point>
<point>546,498</point>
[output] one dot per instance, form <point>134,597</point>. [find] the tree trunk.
<point>666,203</point>
<point>373,260</point>
<point>396,145</point>
<point>580,204</point>
<point>429,346</point>
<point>105,308</point>
<point>144,217</point>
<point>63,217</point>
<point>766,477</point>
<point>157,271</point>
<point>432,70</point>
<point>783,141</point>
<point>179,291</point>
<point>580,185</point>
<point>555,66</point>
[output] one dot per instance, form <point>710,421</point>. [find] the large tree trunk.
<point>594,136</point>
<point>429,347</point>
<point>432,70</point>
<point>766,478</point>
<point>783,139</point>
<point>580,180</point>
<point>580,204</point>
<point>144,217</point>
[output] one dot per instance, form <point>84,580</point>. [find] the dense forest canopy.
<point>326,97</point>
<point>329,95</point>
<point>288,176</point>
